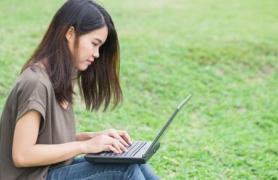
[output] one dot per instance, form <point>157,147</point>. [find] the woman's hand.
<point>102,142</point>
<point>121,135</point>
<point>107,140</point>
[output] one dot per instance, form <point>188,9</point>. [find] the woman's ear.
<point>70,34</point>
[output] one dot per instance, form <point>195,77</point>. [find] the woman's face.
<point>88,47</point>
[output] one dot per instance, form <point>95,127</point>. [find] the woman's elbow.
<point>19,160</point>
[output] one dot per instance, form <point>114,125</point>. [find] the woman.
<point>37,130</point>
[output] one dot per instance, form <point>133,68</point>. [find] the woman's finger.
<point>126,136</point>
<point>122,147</point>
<point>110,148</point>
<point>116,144</point>
<point>117,136</point>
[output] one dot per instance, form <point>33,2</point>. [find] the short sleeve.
<point>32,95</point>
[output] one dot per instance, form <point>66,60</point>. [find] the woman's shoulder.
<point>32,76</point>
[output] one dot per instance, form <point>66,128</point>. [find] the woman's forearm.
<point>41,155</point>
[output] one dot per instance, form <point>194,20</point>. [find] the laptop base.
<point>139,157</point>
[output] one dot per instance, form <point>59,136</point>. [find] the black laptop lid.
<point>162,131</point>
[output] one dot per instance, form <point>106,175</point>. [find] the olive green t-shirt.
<point>33,91</point>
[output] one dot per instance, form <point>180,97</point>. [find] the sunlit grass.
<point>223,52</point>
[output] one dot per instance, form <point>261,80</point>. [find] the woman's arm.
<point>26,153</point>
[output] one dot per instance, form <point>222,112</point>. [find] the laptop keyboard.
<point>131,151</point>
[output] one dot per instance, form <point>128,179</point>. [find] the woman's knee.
<point>148,172</point>
<point>134,172</point>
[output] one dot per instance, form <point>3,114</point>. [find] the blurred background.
<point>225,53</point>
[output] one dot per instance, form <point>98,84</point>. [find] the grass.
<point>223,52</point>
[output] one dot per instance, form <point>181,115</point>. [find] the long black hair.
<point>99,83</point>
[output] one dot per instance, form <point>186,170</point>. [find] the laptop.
<point>138,152</point>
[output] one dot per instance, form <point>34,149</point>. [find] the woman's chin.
<point>83,67</point>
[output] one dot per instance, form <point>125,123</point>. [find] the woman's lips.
<point>90,61</point>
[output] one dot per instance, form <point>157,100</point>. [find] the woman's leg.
<point>81,169</point>
<point>148,172</point>
<point>145,168</point>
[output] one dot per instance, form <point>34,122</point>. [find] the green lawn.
<point>223,52</point>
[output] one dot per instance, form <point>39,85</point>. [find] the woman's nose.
<point>96,54</point>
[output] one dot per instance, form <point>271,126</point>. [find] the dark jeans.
<point>81,169</point>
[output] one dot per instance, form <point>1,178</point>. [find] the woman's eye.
<point>94,44</point>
